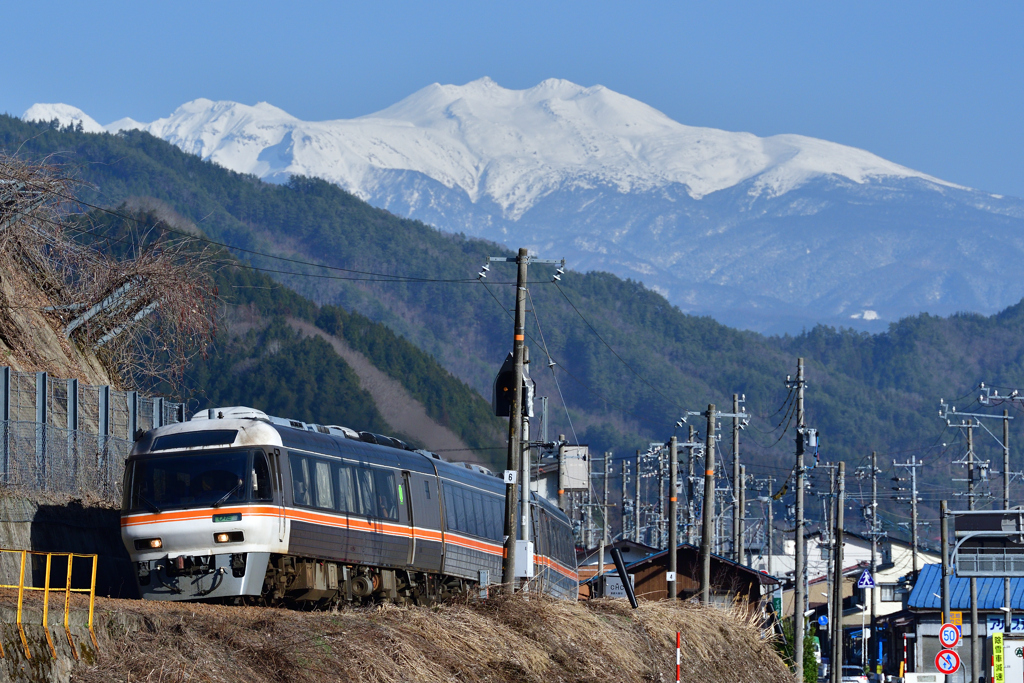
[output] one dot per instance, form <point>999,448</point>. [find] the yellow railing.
<point>47,589</point>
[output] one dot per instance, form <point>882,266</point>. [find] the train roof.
<point>240,426</point>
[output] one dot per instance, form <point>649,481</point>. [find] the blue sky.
<point>935,86</point>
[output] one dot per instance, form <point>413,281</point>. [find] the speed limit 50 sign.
<point>949,636</point>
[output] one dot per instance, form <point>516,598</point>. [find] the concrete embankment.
<point>65,526</point>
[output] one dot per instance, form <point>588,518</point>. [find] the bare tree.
<point>145,314</point>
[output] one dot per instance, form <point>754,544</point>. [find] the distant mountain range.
<point>772,234</point>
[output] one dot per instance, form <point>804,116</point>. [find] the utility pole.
<point>604,511</point>
<point>873,659</point>
<point>508,570</point>
<point>709,506</point>
<point>517,414</point>
<point>691,489</point>
<point>944,542</point>
<point>769,520</point>
<point>672,504</point>
<point>914,524</point>
<point>662,503</point>
<point>623,513</point>
<point>740,554</point>
<point>1007,603</point>
<point>836,662</point>
<point>975,651</point>
<point>799,590</point>
<point>636,502</point>
<point>737,516</point>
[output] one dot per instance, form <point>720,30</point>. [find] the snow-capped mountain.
<point>771,233</point>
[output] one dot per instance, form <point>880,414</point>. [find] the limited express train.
<point>235,505</point>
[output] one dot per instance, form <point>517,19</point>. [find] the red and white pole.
<point>678,657</point>
<point>904,651</point>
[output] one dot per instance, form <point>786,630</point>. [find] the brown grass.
<point>505,639</point>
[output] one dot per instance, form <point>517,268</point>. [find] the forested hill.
<point>626,371</point>
<point>264,356</point>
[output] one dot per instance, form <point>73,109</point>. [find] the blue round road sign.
<point>823,620</point>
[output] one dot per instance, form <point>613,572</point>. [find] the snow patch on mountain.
<point>65,114</point>
<point>511,146</point>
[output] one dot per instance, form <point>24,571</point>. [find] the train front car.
<point>202,509</point>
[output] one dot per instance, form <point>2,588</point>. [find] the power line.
<point>628,366</point>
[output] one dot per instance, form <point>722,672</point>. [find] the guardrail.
<point>47,589</point>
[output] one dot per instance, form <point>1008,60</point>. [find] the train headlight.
<point>229,537</point>
<point>148,544</point>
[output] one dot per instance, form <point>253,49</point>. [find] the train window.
<point>324,490</point>
<point>300,479</point>
<point>497,519</point>
<point>347,501</point>
<point>365,490</point>
<point>387,505</point>
<point>262,489</point>
<point>426,488</point>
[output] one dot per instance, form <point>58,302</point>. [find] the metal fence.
<point>62,437</point>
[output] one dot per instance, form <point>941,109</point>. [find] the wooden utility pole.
<point>515,421</point>
<point>673,542</point>
<point>800,563</point>
<point>737,510</point>
<point>836,661</point>
<point>709,507</point>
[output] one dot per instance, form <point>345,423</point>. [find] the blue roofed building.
<point>922,618</point>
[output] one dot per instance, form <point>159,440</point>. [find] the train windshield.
<point>198,480</point>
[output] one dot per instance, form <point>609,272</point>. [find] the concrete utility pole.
<point>741,553</point>
<point>944,542</point>
<point>508,569</point>
<point>799,590</point>
<point>672,504</point>
<point>709,507</point>
<point>691,489</point>
<point>604,511</point>
<point>975,644</point>
<point>737,516</point>
<point>636,502</point>
<point>622,515</point>
<point>563,502</point>
<point>873,649</point>
<point>1007,602</point>
<point>524,460</point>
<point>912,466</point>
<point>836,662</point>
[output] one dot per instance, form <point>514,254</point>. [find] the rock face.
<point>768,233</point>
<point>32,339</point>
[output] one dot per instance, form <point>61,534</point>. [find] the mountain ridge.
<point>714,220</point>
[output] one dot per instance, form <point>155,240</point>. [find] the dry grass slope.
<point>507,639</point>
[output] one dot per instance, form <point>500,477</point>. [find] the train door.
<point>278,476</point>
<point>425,504</point>
<point>405,500</point>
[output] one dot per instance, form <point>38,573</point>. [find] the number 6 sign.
<point>947,661</point>
<point>949,636</point>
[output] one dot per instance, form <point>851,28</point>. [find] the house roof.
<point>928,590</point>
<point>762,577</point>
